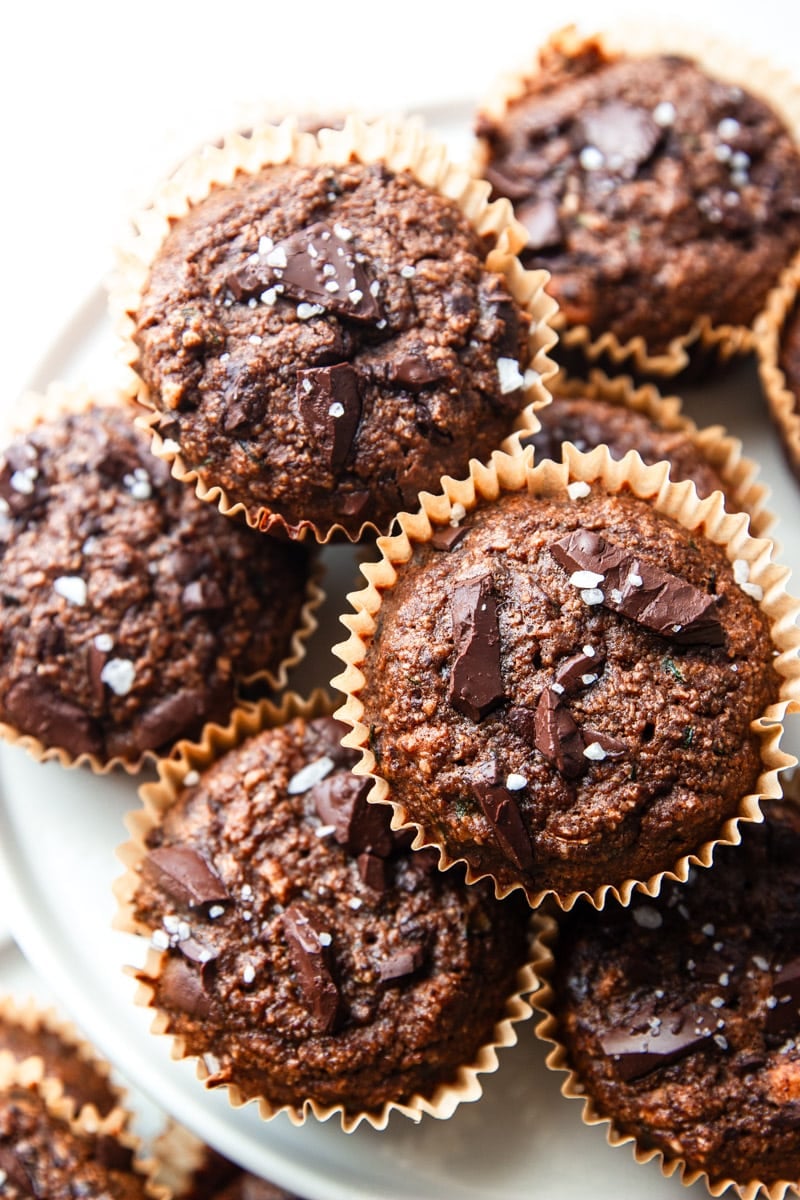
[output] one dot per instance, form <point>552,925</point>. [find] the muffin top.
<point>307,954</point>
<point>323,342</point>
<point>588,421</point>
<point>44,1155</point>
<point>560,689</point>
<point>129,609</point>
<point>681,1015</point>
<point>654,193</point>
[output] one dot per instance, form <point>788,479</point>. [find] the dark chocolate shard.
<point>505,311</point>
<point>181,986</point>
<point>502,812</point>
<point>784,1015</point>
<point>476,685</point>
<point>540,219</point>
<point>638,1053</point>
<point>402,963</point>
<point>341,801</point>
<point>34,708</point>
<point>196,952</point>
<point>15,1172</point>
<point>310,948</point>
<point>447,537</point>
<point>612,746</point>
<point>416,369</point>
<point>580,670</point>
<point>353,504</point>
<point>624,135</point>
<point>557,736</point>
<point>641,591</point>
<point>330,405</point>
<point>372,871</point>
<point>185,875</point>
<point>170,716</point>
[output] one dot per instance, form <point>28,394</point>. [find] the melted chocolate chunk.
<point>401,964</point>
<point>576,672</point>
<point>654,598</point>
<point>476,685</point>
<point>638,1053</point>
<point>310,949</point>
<point>330,406</point>
<point>168,718</point>
<point>447,537</point>
<point>185,875</point>
<point>502,811</point>
<point>625,136</point>
<point>182,987</point>
<point>540,219</point>
<point>784,1016</point>
<point>373,872</point>
<point>557,736</point>
<point>416,369</point>
<point>341,801</point>
<point>31,705</point>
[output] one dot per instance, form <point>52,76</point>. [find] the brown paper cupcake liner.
<point>677,500</point>
<point>717,343</point>
<point>743,492</point>
<point>781,400</point>
<point>30,1075</point>
<point>156,799</point>
<point>547,1030</point>
<point>402,146</point>
<point>61,398</point>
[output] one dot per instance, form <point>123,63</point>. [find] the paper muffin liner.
<point>779,88</point>
<point>547,1030</point>
<point>783,403</point>
<point>29,1074</point>
<point>156,799</point>
<point>506,473</point>
<point>401,146</point>
<point>743,492</point>
<point>59,399</point>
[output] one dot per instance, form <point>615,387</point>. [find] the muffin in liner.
<point>319,1003</point>
<point>550,959</point>
<point>708,340</point>
<point>408,153</point>
<point>193,1171</point>
<point>709,456</point>
<point>783,394</point>
<point>441,517</point>
<point>60,734</point>
<point>98,1152</point>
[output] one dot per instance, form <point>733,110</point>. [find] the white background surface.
<point>96,101</point>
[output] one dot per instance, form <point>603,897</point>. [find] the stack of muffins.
<point>567,675</point>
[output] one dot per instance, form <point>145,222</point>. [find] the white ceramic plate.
<point>58,833</point>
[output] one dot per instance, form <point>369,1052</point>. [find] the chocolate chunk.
<point>327,741</point>
<point>373,872</point>
<point>502,812</point>
<point>15,1172</point>
<point>613,747</point>
<point>476,685</point>
<point>624,135</point>
<point>575,672</point>
<point>540,219</point>
<point>447,537</point>
<point>170,717</point>
<point>330,406</point>
<point>203,595</point>
<point>185,875</point>
<point>504,312</point>
<point>401,964</point>
<point>112,1154</point>
<point>341,801</point>
<point>197,953</point>
<point>33,708</point>
<point>181,986</point>
<point>416,369</point>
<point>248,280</point>
<point>353,504</point>
<point>557,736</point>
<point>784,1016</point>
<point>309,945</point>
<point>95,661</point>
<point>20,484</point>
<point>654,598</point>
<point>638,1053</point>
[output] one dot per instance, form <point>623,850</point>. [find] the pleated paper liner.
<point>547,1030</point>
<point>61,399</point>
<point>783,401</point>
<point>508,474</point>
<point>722,451</point>
<point>157,798</point>
<point>111,1134</point>
<point>705,345</point>
<point>402,147</point>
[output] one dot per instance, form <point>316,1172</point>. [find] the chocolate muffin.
<point>786,414</point>
<point>680,1017</point>
<point>307,956</point>
<point>561,687</point>
<point>588,421</point>
<point>323,341</point>
<point>44,1154</point>
<point>130,611</point>
<point>655,193</point>
<point>194,1171</point>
